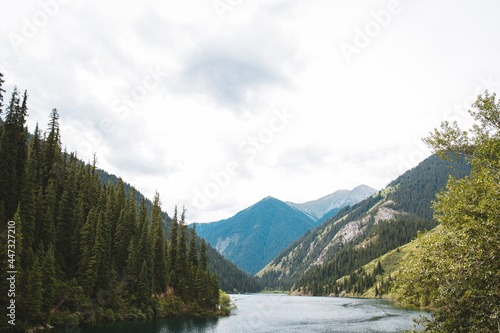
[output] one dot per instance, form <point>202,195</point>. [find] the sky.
<point>218,104</point>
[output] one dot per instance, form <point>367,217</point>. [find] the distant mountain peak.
<point>328,205</point>
<point>255,235</point>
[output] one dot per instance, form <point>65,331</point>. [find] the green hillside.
<point>230,277</point>
<point>358,234</point>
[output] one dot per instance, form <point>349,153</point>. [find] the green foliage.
<point>88,250</point>
<point>226,304</point>
<point>455,269</point>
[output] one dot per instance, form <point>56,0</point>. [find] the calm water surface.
<point>281,313</point>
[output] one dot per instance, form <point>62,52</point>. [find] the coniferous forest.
<point>82,251</point>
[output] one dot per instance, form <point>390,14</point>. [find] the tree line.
<point>86,251</point>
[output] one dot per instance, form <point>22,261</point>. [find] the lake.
<point>280,313</point>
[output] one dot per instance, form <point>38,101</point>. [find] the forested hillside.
<point>231,278</point>
<point>358,234</point>
<point>79,250</point>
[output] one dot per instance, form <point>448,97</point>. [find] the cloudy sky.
<point>218,104</point>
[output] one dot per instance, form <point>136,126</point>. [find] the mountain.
<point>231,278</point>
<point>360,233</point>
<point>327,206</point>
<point>254,236</point>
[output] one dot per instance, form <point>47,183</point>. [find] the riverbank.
<point>161,308</point>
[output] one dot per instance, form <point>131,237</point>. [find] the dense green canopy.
<point>456,269</point>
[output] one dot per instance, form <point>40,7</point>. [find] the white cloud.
<point>170,95</point>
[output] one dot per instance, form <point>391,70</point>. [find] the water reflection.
<point>281,313</point>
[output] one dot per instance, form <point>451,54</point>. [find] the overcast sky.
<point>218,104</point>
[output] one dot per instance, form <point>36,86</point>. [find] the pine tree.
<point>51,157</point>
<point>14,152</point>
<point>101,276</point>
<point>143,294</point>
<point>125,230</point>
<point>138,243</point>
<point>66,220</point>
<point>192,263</point>
<point>1,91</point>
<point>181,264</point>
<point>86,271</point>
<point>172,248</point>
<point>158,240</point>
<point>33,300</point>
<point>47,226</point>
<point>29,198</point>
<point>48,275</point>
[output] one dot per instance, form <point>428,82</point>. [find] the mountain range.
<point>362,232</point>
<point>327,206</point>
<point>254,236</point>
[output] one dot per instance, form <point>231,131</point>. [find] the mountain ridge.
<point>319,208</point>
<point>406,200</point>
<point>251,245</point>
<point>254,236</point>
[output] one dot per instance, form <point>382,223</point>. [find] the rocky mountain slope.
<point>398,211</point>
<point>254,236</point>
<point>327,206</point>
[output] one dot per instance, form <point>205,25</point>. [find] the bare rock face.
<point>222,245</point>
<point>352,229</point>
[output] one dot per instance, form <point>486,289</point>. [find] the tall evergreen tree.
<point>52,156</point>
<point>172,248</point>
<point>86,269</point>
<point>158,239</point>
<point>33,302</point>
<point>125,229</point>
<point>143,294</point>
<point>2,81</point>
<point>181,264</point>
<point>192,263</point>
<point>66,219</point>
<point>48,275</point>
<point>14,152</point>
<point>29,198</point>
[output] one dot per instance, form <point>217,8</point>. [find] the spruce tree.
<point>51,157</point>
<point>172,248</point>
<point>47,226</point>
<point>181,264</point>
<point>158,240</point>
<point>2,81</point>
<point>137,248</point>
<point>29,198</point>
<point>192,263</point>
<point>33,301</point>
<point>14,152</point>
<point>66,222</point>
<point>125,230</point>
<point>86,270</point>
<point>143,294</point>
<point>48,275</point>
